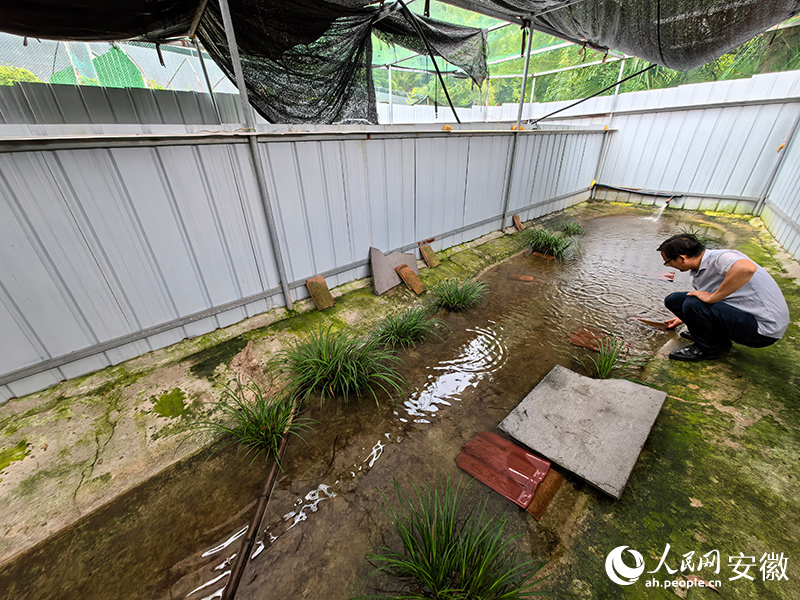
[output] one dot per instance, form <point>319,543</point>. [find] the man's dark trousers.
<point>715,326</point>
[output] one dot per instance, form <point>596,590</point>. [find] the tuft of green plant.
<point>457,296</point>
<point>338,363</point>
<point>446,557</point>
<point>254,421</point>
<point>407,328</point>
<point>572,228</point>
<point>708,241</point>
<point>548,242</point>
<point>610,361</point>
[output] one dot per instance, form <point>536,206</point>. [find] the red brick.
<point>410,278</point>
<point>429,256</point>
<point>519,277</point>
<point>320,293</point>
<point>517,222</point>
<point>545,256</point>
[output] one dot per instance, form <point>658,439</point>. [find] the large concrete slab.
<point>595,428</point>
<point>384,276</point>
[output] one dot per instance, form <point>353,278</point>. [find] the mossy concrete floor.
<point>720,469</point>
<point>68,450</point>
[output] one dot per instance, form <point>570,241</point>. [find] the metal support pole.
<point>515,140</point>
<point>208,81</point>
<point>486,115</point>
<point>255,155</point>
<point>524,77</point>
<point>391,104</point>
<point>601,159</point>
<point>768,187</point>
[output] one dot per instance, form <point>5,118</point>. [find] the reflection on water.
<point>484,354</point>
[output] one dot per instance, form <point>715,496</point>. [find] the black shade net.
<point>311,62</point>
<point>677,34</point>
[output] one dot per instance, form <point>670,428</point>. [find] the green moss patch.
<point>171,404</point>
<point>9,455</point>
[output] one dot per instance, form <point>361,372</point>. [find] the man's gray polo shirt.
<point>761,296</point>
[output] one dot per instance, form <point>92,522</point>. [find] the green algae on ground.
<point>9,455</point>
<point>171,404</point>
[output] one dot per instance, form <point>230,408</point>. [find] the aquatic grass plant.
<point>339,363</point>
<point>548,242</point>
<point>610,360</point>
<point>457,296</point>
<point>572,228</point>
<point>253,420</point>
<point>445,556</point>
<point>409,327</point>
<point>706,240</point>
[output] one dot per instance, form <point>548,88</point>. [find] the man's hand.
<point>672,323</point>
<point>706,297</point>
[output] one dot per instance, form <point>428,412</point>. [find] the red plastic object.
<point>503,466</point>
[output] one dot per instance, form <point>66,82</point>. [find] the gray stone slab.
<point>595,428</point>
<point>384,276</point>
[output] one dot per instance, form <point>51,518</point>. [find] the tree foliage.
<point>10,75</point>
<point>771,51</point>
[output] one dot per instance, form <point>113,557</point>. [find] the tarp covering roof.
<point>310,60</point>
<point>677,34</point>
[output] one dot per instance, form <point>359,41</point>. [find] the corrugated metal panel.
<point>782,212</point>
<point>102,243</point>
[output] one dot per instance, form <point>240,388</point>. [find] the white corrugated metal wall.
<point>782,210</point>
<point>114,248</point>
<point>109,252</point>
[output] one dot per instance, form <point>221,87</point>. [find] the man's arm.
<point>740,273</point>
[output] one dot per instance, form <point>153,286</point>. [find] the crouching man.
<point>734,300</point>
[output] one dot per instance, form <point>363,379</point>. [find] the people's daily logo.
<point>621,573</point>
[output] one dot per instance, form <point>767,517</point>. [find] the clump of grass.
<point>253,420</point>
<point>457,296</point>
<point>548,242</point>
<point>572,228</point>
<point>338,363</point>
<point>706,240</point>
<point>446,557</point>
<point>409,327</point>
<point>611,360</point>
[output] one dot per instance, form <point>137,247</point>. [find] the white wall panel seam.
<point>280,227</point>
<point>767,142</point>
<point>247,216</point>
<point>220,230</point>
<point>182,230</point>
<point>463,220</point>
<point>95,248</point>
<point>136,221</point>
<point>24,325</point>
<point>47,262</point>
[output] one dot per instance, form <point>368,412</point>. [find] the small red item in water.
<point>547,256</point>
<point>519,277</point>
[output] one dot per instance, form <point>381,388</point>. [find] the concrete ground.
<point>719,472</point>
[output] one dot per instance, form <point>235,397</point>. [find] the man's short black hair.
<point>683,244</point>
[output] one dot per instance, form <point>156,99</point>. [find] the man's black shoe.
<point>692,354</point>
<point>687,335</point>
